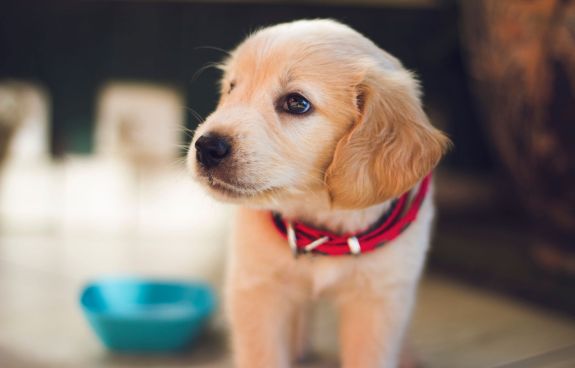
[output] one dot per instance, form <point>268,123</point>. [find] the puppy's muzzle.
<point>212,149</point>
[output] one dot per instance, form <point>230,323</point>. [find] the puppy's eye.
<point>232,85</point>
<point>295,103</point>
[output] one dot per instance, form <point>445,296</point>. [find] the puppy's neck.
<point>315,210</point>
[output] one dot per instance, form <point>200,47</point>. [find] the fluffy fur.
<point>366,141</point>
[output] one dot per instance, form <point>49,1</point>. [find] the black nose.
<point>211,149</point>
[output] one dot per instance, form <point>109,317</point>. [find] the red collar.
<point>305,239</point>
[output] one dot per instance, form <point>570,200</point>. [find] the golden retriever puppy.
<point>321,139</point>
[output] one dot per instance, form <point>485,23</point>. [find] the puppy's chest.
<point>327,275</point>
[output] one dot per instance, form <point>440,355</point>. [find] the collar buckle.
<point>354,245</point>
<point>292,239</point>
<point>291,236</point>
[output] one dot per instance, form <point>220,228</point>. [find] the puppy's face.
<point>296,100</point>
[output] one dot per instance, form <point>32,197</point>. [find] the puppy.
<point>321,139</point>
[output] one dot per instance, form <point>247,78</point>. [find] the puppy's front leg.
<point>372,329</point>
<point>300,332</point>
<point>260,332</point>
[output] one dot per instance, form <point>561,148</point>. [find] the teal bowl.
<point>146,316</point>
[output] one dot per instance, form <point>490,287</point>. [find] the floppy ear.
<point>391,146</point>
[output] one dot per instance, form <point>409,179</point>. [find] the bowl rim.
<point>205,310</point>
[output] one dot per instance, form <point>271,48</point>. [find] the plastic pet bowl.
<point>134,315</point>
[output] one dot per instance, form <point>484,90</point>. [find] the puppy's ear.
<point>391,146</point>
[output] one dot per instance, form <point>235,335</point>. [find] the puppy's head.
<point>314,106</point>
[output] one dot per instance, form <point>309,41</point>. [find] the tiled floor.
<point>454,326</point>
<point>91,230</point>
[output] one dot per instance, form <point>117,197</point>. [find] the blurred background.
<point>98,100</point>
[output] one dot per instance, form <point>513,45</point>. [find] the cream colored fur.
<point>366,141</point>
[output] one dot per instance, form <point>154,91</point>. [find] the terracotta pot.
<point>521,56</point>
